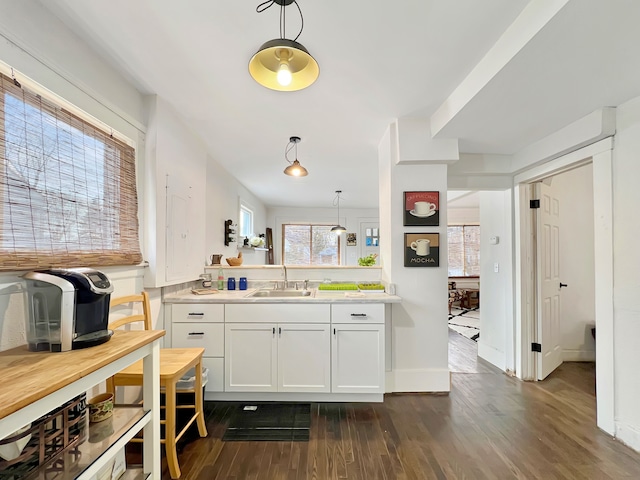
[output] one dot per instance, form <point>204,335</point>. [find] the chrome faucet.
<point>286,282</point>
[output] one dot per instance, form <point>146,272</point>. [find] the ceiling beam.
<point>526,26</point>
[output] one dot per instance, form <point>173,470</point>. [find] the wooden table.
<point>470,298</point>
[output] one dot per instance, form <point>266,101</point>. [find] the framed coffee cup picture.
<point>421,209</point>
<point>421,249</point>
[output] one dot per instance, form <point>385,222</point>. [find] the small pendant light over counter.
<point>294,169</point>
<point>338,229</point>
<point>282,64</point>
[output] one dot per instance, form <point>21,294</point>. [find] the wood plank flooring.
<point>490,426</point>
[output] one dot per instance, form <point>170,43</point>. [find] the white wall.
<point>574,190</point>
<point>42,48</point>
<point>496,312</point>
<point>419,334</point>
<point>626,293</point>
<point>350,218</point>
<point>223,202</point>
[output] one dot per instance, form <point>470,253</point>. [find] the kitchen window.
<point>310,245</point>
<point>67,188</point>
<point>246,221</point>
<point>464,250</point>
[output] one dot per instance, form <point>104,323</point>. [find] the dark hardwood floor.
<point>463,356</point>
<point>490,426</point>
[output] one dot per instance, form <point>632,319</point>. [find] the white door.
<point>250,351</point>
<point>548,281</point>
<point>357,358</point>
<point>304,358</point>
<point>177,228</point>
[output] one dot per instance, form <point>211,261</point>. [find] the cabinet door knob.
<point>334,331</point>
<point>195,314</point>
<point>358,314</point>
<point>274,330</point>
<point>196,333</point>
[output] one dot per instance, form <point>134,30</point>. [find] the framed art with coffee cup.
<point>421,209</point>
<point>421,249</point>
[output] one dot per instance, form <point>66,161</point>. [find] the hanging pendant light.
<point>294,169</point>
<point>338,229</point>
<point>283,64</point>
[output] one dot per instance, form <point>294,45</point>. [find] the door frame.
<point>601,155</point>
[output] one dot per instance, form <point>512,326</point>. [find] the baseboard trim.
<point>418,380</point>
<point>628,435</point>
<point>492,355</point>
<point>293,397</point>
<point>578,355</point>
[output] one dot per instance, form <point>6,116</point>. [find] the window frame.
<point>243,206</point>
<point>311,225</point>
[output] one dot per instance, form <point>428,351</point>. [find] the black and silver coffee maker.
<point>67,309</point>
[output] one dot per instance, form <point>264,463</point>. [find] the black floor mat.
<point>269,422</point>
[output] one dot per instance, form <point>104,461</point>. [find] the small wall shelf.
<point>229,232</point>
<point>259,249</point>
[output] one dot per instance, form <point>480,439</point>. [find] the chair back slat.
<point>145,317</point>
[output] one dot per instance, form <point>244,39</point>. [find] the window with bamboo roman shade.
<point>67,189</point>
<point>463,242</point>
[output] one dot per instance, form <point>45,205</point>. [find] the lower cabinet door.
<point>357,358</point>
<point>251,356</point>
<point>304,358</point>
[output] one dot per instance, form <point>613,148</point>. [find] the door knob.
<point>562,284</point>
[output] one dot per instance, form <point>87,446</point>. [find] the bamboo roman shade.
<point>67,189</point>
<point>464,250</point>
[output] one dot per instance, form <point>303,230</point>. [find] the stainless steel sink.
<point>265,293</point>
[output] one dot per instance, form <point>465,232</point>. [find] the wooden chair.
<point>454,295</point>
<point>174,363</point>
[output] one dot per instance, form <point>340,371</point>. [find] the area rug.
<point>466,322</point>
<point>275,422</point>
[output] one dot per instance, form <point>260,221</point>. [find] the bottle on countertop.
<point>220,279</point>
<point>231,283</point>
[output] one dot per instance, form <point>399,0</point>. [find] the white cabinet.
<point>201,325</point>
<point>251,354</point>
<point>175,193</point>
<point>357,348</point>
<point>277,348</point>
<point>357,358</point>
<point>269,357</point>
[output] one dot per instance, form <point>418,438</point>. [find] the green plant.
<point>368,260</point>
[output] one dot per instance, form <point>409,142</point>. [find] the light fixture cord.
<point>288,148</point>
<point>283,17</point>
<point>336,201</point>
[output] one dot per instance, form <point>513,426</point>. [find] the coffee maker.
<point>67,309</point>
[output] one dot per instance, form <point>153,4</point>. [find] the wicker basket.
<point>51,435</point>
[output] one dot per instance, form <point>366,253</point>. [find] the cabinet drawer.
<point>197,312</point>
<point>357,313</point>
<point>209,336</point>
<point>277,313</point>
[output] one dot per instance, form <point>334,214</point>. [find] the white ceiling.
<point>379,60</point>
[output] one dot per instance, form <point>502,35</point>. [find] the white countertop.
<point>242,296</point>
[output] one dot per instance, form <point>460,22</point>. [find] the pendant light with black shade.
<point>283,64</point>
<point>338,229</point>
<point>294,169</point>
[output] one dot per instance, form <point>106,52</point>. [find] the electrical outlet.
<point>496,267</point>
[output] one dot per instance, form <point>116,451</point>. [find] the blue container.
<point>231,283</point>
<point>243,283</point>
